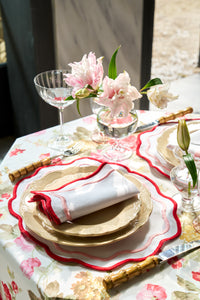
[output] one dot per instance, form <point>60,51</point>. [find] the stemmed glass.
<point>188,196</point>
<point>118,128</point>
<point>52,88</point>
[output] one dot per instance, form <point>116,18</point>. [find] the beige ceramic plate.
<point>163,142</point>
<point>35,225</point>
<point>102,222</point>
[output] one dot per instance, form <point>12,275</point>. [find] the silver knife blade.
<point>178,250</point>
<point>115,279</point>
<point>164,119</point>
<point>147,126</point>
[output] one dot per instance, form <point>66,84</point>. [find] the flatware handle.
<point>115,279</point>
<point>29,168</point>
<point>173,116</point>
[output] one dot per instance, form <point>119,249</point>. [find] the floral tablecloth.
<point>27,272</point>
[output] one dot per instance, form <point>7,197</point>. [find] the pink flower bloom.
<point>14,287</point>
<point>21,242</point>
<point>196,276</point>
<point>89,71</point>
<point>175,262</point>
<point>27,266</point>
<point>6,196</point>
<point>1,215</point>
<point>152,291</point>
<point>6,291</point>
<point>16,152</point>
<point>118,94</point>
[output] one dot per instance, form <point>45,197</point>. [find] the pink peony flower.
<point>152,291</point>
<point>118,94</point>
<point>27,266</point>
<point>6,196</point>
<point>196,276</point>
<point>6,291</point>
<point>14,287</point>
<point>21,242</point>
<point>89,71</point>
<point>175,262</point>
<point>16,152</point>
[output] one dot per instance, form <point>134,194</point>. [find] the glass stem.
<point>61,120</point>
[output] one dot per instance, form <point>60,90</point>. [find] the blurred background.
<point>158,38</point>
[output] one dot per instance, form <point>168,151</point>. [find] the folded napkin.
<point>103,188</point>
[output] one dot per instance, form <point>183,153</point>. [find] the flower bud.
<point>183,135</point>
<point>82,93</point>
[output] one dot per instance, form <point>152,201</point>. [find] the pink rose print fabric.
<point>22,243</point>
<point>15,287</point>
<point>152,291</point>
<point>175,262</point>
<point>196,276</point>
<point>16,152</point>
<point>6,291</point>
<point>27,266</point>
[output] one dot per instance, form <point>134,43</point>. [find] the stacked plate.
<point>102,227</point>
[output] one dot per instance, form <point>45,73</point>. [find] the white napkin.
<point>105,187</point>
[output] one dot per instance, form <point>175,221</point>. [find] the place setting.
<point>130,230</point>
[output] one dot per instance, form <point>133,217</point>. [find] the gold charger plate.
<point>102,222</point>
<point>35,226</point>
<point>163,141</point>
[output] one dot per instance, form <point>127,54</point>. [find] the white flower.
<point>159,95</point>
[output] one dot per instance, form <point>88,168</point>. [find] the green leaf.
<point>77,106</point>
<point>187,284</point>
<point>178,295</point>
<point>190,164</point>
<point>112,69</point>
<point>152,82</point>
<point>69,98</point>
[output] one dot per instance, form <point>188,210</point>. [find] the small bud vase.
<point>188,195</point>
<point>117,128</point>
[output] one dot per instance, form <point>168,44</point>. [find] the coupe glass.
<point>188,197</point>
<point>118,128</point>
<point>52,89</point>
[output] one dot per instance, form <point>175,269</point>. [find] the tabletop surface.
<point>29,271</point>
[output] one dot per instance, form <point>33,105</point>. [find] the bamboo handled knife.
<point>115,279</point>
<point>165,119</point>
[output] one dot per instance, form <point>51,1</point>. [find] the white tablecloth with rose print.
<point>28,272</point>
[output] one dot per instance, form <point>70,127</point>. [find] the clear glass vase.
<point>117,128</point>
<point>188,196</point>
<point>97,135</point>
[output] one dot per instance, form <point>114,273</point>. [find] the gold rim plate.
<point>35,222</point>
